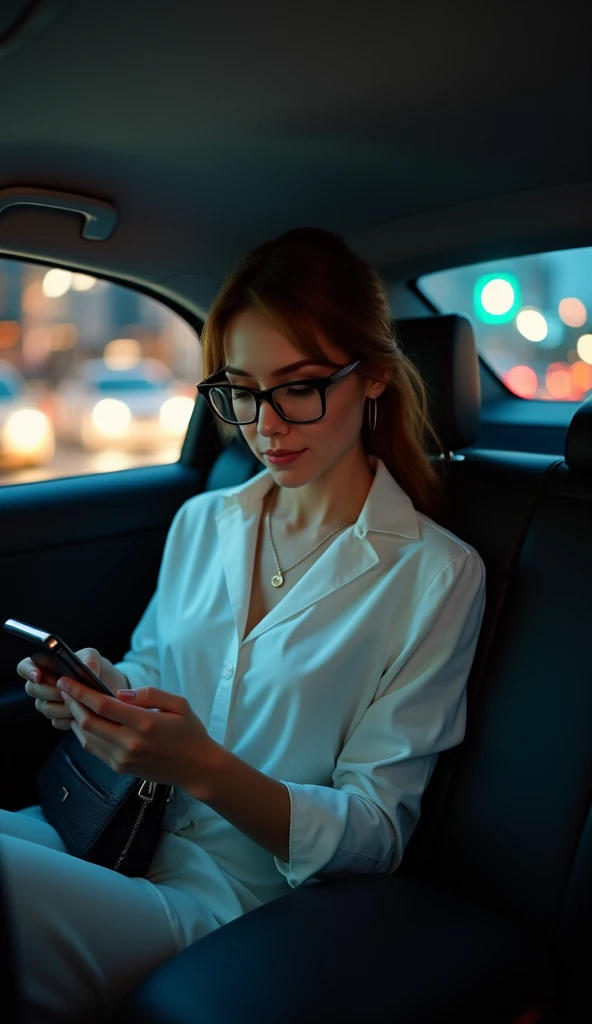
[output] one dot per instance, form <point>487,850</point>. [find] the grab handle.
<point>100,217</point>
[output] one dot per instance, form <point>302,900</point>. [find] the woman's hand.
<point>41,685</point>
<point>156,737</point>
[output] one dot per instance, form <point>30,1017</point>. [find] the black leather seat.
<point>489,915</point>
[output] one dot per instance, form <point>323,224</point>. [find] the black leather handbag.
<point>104,817</point>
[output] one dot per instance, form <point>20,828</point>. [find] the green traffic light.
<point>496,298</point>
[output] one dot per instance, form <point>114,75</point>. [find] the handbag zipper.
<point>146,797</point>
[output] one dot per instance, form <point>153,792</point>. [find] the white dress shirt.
<point>346,691</point>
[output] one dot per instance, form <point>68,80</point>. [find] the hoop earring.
<point>372,413</point>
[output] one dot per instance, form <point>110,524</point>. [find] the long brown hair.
<point>309,281</point>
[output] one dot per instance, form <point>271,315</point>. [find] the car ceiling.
<point>427,134</point>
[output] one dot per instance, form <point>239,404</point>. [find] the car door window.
<point>532,319</point>
<point>94,376</point>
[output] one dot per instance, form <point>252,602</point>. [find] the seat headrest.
<point>578,442</point>
<point>443,350</point>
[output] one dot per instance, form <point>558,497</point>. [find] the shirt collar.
<point>387,509</point>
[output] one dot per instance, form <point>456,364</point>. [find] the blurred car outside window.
<point>94,376</point>
<point>532,318</point>
<point>26,432</point>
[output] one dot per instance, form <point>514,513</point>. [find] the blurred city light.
<point>175,414</point>
<point>558,381</point>
<point>584,348</point>
<point>27,429</point>
<point>573,312</point>
<point>63,337</point>
<point>34,300</point>
<point>83,282</point>
<point>10,332</point>
<point>531,324</point>
<point>57,282</point>
<point>496,297</point>
<point>111,416</point>
<point>37,343</point>
<point>122,353</point>
<point>555,331</point>
<point>581,375</point>
<point>522,380</point>
<point>109,460</point>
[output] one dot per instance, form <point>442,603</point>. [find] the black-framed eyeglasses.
<point>296,401</point>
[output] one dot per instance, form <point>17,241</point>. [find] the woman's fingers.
<point>26,666</point>
<point>52,709</point>
<point>43,691</point>
<point>63,724</point>
<point>50,703</point>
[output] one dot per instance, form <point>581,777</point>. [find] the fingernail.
<point>34,676</point>
<point>126,694</point>
<point>63,685</point>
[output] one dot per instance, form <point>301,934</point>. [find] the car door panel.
<point>78,557</point>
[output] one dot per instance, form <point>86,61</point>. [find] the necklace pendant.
<point>276,581</point>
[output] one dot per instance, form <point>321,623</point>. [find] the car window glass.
<point>108,375</point>
<point>532,318</point>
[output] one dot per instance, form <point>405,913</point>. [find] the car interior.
<point>154,145</point>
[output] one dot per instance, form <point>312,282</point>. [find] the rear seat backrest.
<point>521,790</point>
<point>506,817</point>
<point>235,465</point>
<point>477,484</point>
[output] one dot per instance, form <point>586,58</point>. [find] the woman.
<point>308,644</point>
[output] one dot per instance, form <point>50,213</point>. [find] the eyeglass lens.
<point>299,403</point>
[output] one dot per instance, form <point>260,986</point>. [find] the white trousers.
<point>83,935</point>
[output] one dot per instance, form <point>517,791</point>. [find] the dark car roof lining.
<point>428,135</point>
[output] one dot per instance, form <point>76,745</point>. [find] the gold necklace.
<point>278,579</point>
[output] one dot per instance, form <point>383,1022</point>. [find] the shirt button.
<point>361,530</point>
<point>228,671</point>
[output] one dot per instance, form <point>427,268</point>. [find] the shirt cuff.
<point>333,832</point>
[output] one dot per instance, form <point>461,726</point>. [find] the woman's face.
<point>253,345</point>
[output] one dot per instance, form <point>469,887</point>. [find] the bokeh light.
<point>556,330</point>
<point>531,324</point>
<point>497,296</point>
<point>10,332</point>
<point>27,429</point>
<point>34,300</point>
<point>56,282</point>
<point>584,347</point>
<point>175,413</point>
<point>111,416</point>
<point>37,343</point>
<point>122,353</point>
<point>573,312</point>
<point>522,380</point>
<point>83,282</point>
<point>581,375</point>
<point>558,381</point>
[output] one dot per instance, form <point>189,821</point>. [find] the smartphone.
<point>54,656</point>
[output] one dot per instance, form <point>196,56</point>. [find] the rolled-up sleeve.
<point>361,823</point>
